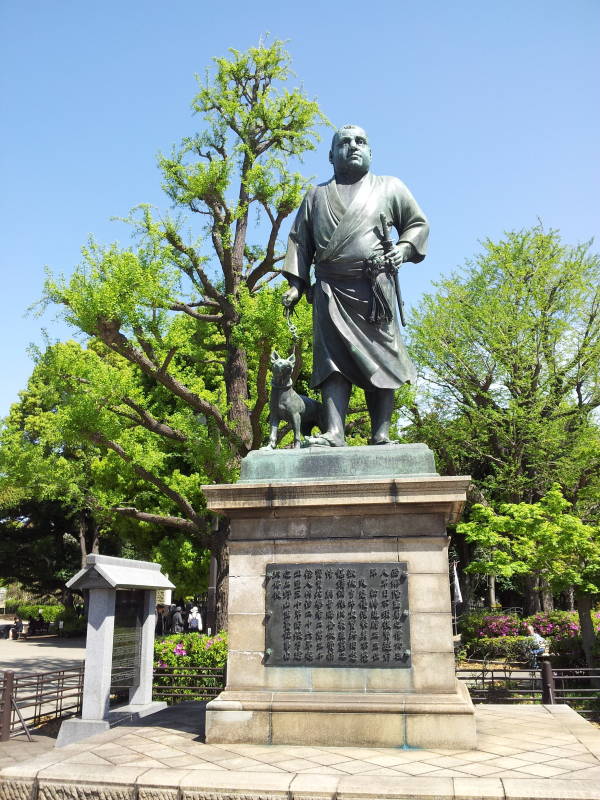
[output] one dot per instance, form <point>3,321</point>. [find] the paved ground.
<point>41,654</point>
<point>523,752</point>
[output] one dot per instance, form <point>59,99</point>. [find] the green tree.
<point>509,354</point>
<point>172,380</point>
<point>541,538</point>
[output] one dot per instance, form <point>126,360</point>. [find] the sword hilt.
<point>387,240</point>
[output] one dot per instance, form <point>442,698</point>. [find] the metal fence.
<point>579,688</point>
<point>28,699</point>
<point>498,682</point>
<point>176,685</point>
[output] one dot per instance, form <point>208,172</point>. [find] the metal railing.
<point>178,684</point>
<point>497,682</point>
<point>579,688</point>
<point>27,699</point>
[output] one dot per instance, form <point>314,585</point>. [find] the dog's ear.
<point>274,356</point>
<point>292,359</point>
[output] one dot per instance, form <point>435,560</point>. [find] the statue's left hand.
<point>290,298</point>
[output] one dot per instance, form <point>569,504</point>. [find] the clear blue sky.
<point>489,111</point>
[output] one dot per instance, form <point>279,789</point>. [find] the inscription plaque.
<point>127,639</point>
<point>337,615</point>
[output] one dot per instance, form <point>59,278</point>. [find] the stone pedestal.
<point>293,507</point>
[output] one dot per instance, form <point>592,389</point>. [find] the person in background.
<point>194,620</point>
<point>36,625</point>
<point>17,628</point>
<point>177,621</point>
<point>159,628</point>
<point>169,619</point>
<point>539,644</point>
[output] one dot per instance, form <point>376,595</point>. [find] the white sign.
<point>2,598</point>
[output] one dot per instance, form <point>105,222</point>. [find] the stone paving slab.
<point>533,752</point>
<point>46,654</point>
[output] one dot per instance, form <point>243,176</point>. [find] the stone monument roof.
<point>108,572</point>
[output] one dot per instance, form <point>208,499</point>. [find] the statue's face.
<point>350,153</point>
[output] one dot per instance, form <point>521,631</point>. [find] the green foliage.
<point>191,650</point>
<point>509,350</point>
<point>49,613</point>
<point>73,623</point>
<point>181,656</point>
<point>470,624</point>
<point>186,565</point>
<point>169,388</point>
<point>536,538</point>
<point>509,648</point>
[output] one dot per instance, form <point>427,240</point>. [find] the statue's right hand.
<point>291,297</point>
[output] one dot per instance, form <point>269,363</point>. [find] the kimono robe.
<point>338,240</point>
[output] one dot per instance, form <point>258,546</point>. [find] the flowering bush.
<point>557,624</point>
<point>182,656</point>
<point>501,625</point>
<point>191,650</point>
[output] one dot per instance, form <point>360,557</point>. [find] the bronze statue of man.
<point>341,227</point>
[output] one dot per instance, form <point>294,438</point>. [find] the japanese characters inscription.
<point>337,615</point>
<point>127,638</point>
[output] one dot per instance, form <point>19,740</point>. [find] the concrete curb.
<point>63,781</point>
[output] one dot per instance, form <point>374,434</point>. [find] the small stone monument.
<point>340,627</point>
<point>120,642</point>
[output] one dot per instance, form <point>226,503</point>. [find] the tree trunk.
<point>547,597</point>
<point>531,594</point>
<point>236,382</point>
<point>82,538</point>
<point>221,554</point>
<point>89,535</point>
<point>492,591</point>
<point>571,598</point>
<point>588,636</point>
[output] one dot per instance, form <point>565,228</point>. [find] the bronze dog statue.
<point>302,413</point>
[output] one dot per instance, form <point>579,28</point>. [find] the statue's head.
<point>350,153</point>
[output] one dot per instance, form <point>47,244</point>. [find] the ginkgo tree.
<point>170,385</point>
<point>542,538</point>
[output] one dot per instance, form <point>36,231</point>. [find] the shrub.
<point>555,624</point>
<point>50,613</point>
<point>73,623</point>
<point>483,624</point>
<point>191,650</point>
<point>469,624</point>
<point>501,625</point>
<point>187,653</point>
<point>511,648</point>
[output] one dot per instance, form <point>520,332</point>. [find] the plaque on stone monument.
<point>127,639</point>
<point>337,615</point>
